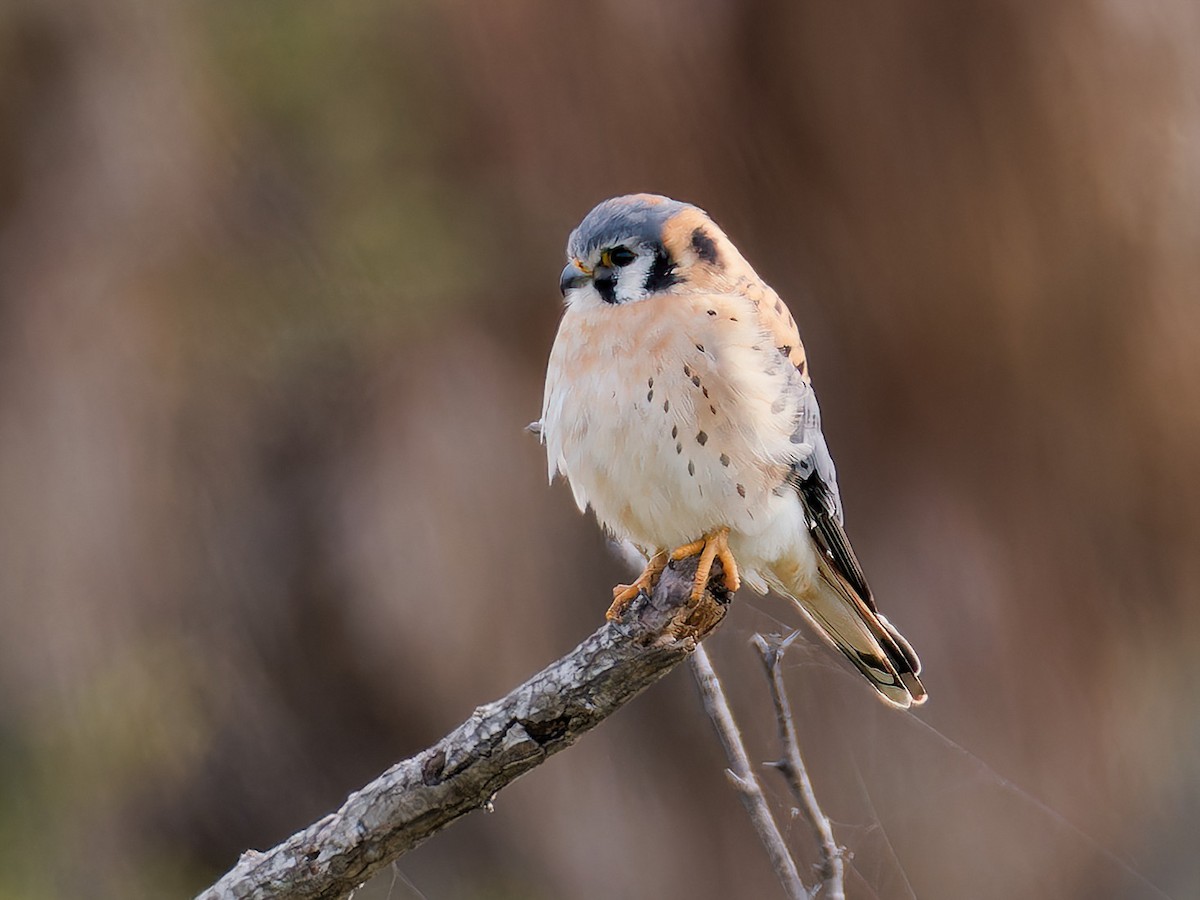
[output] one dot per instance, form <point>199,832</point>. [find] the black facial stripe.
<point>662,273</point>
<point>607,288</point>
<point>704,246</point>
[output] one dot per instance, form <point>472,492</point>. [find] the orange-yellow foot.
<point>714,545</point>
<point>624,594</point>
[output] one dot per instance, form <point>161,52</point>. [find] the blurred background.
<point>277,286</point>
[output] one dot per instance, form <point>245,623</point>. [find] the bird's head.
<point>642,245</point>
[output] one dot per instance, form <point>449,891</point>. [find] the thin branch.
<point>742,775</point>
<point>499,742</point>
<point>792,766</point>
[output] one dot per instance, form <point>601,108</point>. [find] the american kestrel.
<point>679,407</point>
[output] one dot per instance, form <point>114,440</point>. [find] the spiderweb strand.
<point>742,776</point>
<point>792,766</point>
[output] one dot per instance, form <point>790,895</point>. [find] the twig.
<point>742,776</point>
<point>499,742</point>
<point>792,766</point>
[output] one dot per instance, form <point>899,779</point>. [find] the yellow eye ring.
<point>618,257</point>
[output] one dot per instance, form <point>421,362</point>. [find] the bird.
<point>679,407</point>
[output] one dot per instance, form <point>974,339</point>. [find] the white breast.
<point>673,416</point>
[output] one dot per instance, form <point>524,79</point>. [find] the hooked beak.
<point>574,275</point>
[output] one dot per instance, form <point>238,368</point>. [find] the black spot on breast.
<point>705,247</point>
<point>741,489</point>
<point>649,396</point>
<point>674,431</point>
<point>702,438</point>
<point>696,380</point>
<point>712,409</point>
<point>725,459</point>
<point>712,312</point>
<point>650,381</point>
<point>687,370</point>
<point>679,448</point>
<point>705,390</point>
<point>691,467</point>
<point>700,347</point>
<point>666,406</point>
<point>779,307</point>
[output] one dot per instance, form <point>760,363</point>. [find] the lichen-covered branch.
<point>499,742</point>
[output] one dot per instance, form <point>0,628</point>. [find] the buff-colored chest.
<point>671,416</point>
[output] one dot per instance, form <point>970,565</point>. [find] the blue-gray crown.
<point>634,217</point>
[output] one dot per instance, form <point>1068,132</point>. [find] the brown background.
<point>277,286</point>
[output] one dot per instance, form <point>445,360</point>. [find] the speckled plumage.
<point>678,402</point>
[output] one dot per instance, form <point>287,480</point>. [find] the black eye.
<point>621,256</point>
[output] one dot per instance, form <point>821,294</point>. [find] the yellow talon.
<point>714,545</point>
<point>624,594</point>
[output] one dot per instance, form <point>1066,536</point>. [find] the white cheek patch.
<point>584,297</point>
<point>630,286</point>
<point>631,280</point>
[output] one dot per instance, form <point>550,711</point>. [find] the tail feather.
<point>838,599</point>
<point>866,638</point>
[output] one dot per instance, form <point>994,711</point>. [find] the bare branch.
<point>741,775</point>
<point>499,742</point>
<point>793,769</point>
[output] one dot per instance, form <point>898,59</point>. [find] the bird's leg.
<point>624,594</point>
<point>714,545</point>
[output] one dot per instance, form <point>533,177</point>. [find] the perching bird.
<point>678,406</point>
